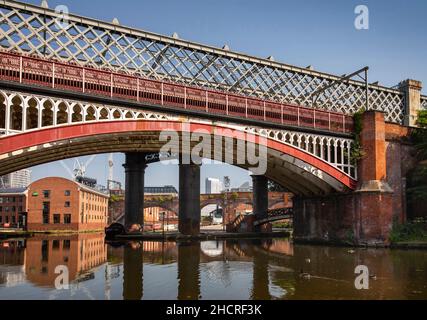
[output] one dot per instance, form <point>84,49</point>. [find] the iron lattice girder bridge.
<point>42,32</point>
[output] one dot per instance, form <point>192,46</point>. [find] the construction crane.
<point>110,171</point>
<point>79,168</point>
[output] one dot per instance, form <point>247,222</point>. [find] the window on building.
<point>1,219</point>
<point>67,204</point>
<point>55,244</point>
<point>13,209</point>
<point>46,212</point>
<point>67,218</point>
<point>56,218</point>
<point>46,207</point>
<point>66,244</point>
<point>1,200</point>
<point>13,219</point>
<point>67,193</point>
<point>46,194</point>
<point>20,209</point>
<point>6,219</point>
<point>1,209</point>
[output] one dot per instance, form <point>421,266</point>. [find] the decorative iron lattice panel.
<point>424,102</point>
<point>34,30</point>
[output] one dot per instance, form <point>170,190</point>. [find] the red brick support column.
<point>374,196</point>
<point>366,215</point>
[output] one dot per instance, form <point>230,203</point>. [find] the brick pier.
<point>366,215</point>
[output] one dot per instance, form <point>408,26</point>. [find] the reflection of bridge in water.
<point>269,268</point>
<point>214,258</point>
<point>36,258</point>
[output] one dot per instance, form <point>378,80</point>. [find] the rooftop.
<point>13,191</point>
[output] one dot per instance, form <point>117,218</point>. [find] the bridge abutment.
<point>364,216</point>
<point>134,193</point>
<point>189,199</point>
<point>361,218</point>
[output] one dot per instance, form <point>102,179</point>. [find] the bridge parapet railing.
<point>31,70</point>
<point>91,43</point>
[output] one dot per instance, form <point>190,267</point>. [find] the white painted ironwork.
<point>333,150</point>
<point>34,30</point>
<point>424,102</point>
<point>23,112</point>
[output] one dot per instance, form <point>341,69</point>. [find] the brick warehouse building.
<point>60,204</point>
<point>13,207</point>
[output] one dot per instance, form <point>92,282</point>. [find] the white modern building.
<point>213,185</point>
<point>18,179</point>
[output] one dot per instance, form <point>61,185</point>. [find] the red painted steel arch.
<point>30,139</point>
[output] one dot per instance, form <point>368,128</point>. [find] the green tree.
<point>357,152</point>
<point>114,198</point>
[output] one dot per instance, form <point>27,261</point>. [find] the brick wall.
<point>87,210</point>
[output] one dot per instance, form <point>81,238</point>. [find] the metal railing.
<point>63,76</point>
<point>275,215</point>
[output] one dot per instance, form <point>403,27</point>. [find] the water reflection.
<point>12,262</point>
<point>260,289</point>
<point>188,271</point>
<point>133,271</point>
<point>232,269</point>
<point>80,253</point>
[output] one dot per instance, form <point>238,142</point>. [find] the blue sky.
<point>302,33</point>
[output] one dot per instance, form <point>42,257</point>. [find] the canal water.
<point>35,268</point>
